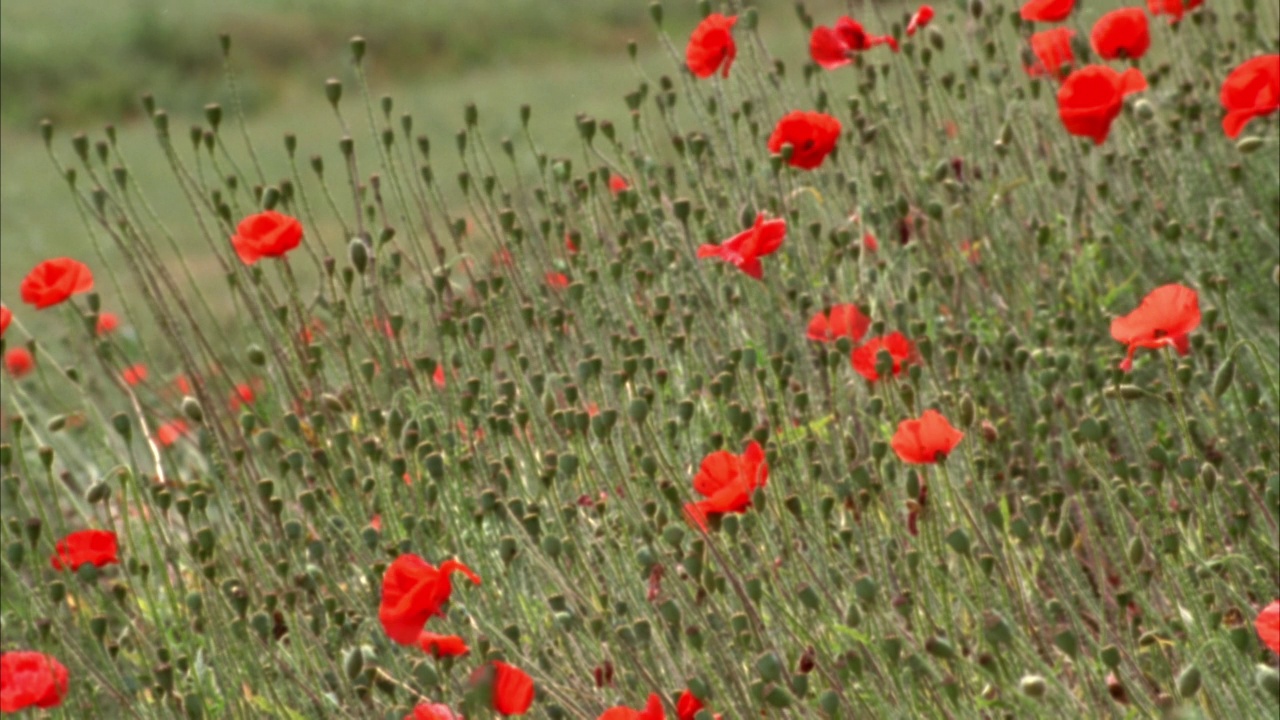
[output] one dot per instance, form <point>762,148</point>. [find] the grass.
<point>1097,545</point>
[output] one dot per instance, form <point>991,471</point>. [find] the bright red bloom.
<point>711,46</point>
<point>170,432</point>
<point>812,136</point>
<point>557,280</point>
<point>869,242</point>
<point>689,705</point>
<point>569,245</point>
<point>833,47</point>
<point>920,19</point>
<point>1268,626</point>
<point>745,249</point>
<point>1047,11</point>
<point>266,234</point>
<point>182,384</point>
<point>1121,34</point>
<point>432,711</point>
<point>652,711</point>
<point>107,323</point>
<point>926,440</point>
<point>896,344</point>
<point>53,281</point>
<point>510,688</point>
<point>375,522</point>
<point>617,184</point>
<point>414,591</point>
<point>1091,97</point>
<point>1163,319</point>
<point>727,481</point>
<point>1052,49</point>
<point>30,679</point>
<point>439,646</point>
<point>844,320</point>
<point>1175,9</point>
<point>134,374</point>
<point>242,395</point>
<point>437,377</point>
<point>19,361</point>
<point>6,317</point>
<point>1251,90</point>
<point>86,547</point>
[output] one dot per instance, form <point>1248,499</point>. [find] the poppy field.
<point>928,371</point>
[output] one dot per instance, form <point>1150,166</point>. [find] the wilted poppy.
<point>1163,319</point>
<point>727,481</point>
<point>53,281</point>
<point>413,591</point>
<point>1268,626</point>
<point>688,705</point>
<point>85,547</point>
<point>811,135</point>
<point>1047,11</point>
<point>19,361</point>
<point>1251,90</point>
<point>926,440</point>
<point>900,349</point>
<point>31,679</point>
<point>711,46</point>
<point>266,234</point>
<point>1091,97</point>
<point>557,280</point>
<point>920,19</point>
<point>1121,34</point>
<point>510,689</point>
<point>652,711</point>
<point>745,249</point>
<point>833,47</point>
<point>170,432</point>
<point>439,646</point>
<point>432,711</point>
<point>107,323</point>
<point>1052,50</point>
<point>1175,9</point>
<point>134,374</point>
<point>6,317</point>
<point>844,320</point>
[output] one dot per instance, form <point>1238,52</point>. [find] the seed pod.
<point>1032,686</point>
<point>1189,682</point>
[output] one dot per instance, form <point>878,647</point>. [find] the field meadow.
<point>634,360</point>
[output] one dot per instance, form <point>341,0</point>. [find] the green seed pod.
<point>769,667</point>
<point>1247,145</point>
<point>192,410</point>
<point>1189,682</point>
<point>1032,686</point>
<point>1223,377</point>
<point>1268,680</point>
<point>1137,550</point>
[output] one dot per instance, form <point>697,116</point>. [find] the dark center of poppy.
<point>939,456</point>
<point>1160,333</point>
<point>807,145</point>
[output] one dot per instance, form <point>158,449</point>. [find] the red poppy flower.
<point>437,377</point>
<point>1251,90</point>
<point>745,249</point>
<point>926,440</point>
<point>617,184</point>
<point>242,395</point>
<point>1163,319</point>
<point>844,320</point>
<point>557,280</point>
<point>134,374</point>
<point>182,384</point>
<point>896,344</point>
<point>569,245</point>
<point>711,46</point>
<point>1175,9</point>
<point>833,47</point>
<point>1052,49</point>
<point>869,242</point>
<point>1091,97</point>
<point>652,711</point>
<point>30,679</point>
<point>432,711</point>
<point>920,19</point>
<point>375,522</point>
<point>1047,11</point>
<point>1268,626</point>
<point>19,361</point>
<point>1121,34</point>
<point>439,646</point>
<point>266,234</point>
<point>510,688</point>
<point>53,281</point>
<point>413,591</point>
<point>727,481</point>
<point>689,705</point>
<point>812,136</point>
<point>107,323</point>
<point>170,432</point>
<point>91,547</point>
<point>6,317</point>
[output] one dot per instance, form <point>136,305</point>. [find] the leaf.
<point>854,635</point>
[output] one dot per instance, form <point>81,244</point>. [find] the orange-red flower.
<point>6,317</point>
<point>19,361</point>
<point>1175,9</point>
<point>266,234</point>
<point>920,19</point>
<point>1268,626</point>
<point>926,440</point>
<point>833,47</point>
<point>652,711</point>
<point>1052,49</point>
<point>812,136</point>
<point>134,374</point>
<point>688,705</point>
<point>1121,34</point>
<point>1091,97</point>
<point>557,280</point>
<point>844,320</point>
<point>107,323</point>
<point>1163,319</point>
<point>86,547</point>
<point>432,711</point>
<point>869,242</point>
<point>30,679</point>
<point>617,184</point>
<point>171,432</point>
<point>242,394</point>
<point>1047,11</point>
<point>1251,90</point>
<point>727,481</point>
<point>439,646</point>
<point>745,249</point>
<point>413,591</point>
<point>510,689</point>
<point>900,349</point>
<point>53,281</point>
<point>711,46</point>
<point>437,377</point>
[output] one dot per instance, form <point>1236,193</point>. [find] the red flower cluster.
<point>1052,49</point>
<point>1175,9</point>
<point>920,19</point>
<point>727,481</point>
<point>31,679</point>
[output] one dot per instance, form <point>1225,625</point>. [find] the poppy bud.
<point>1032,686</point>
<point>333,91</point>
<point>1268,680</point>
<point>1248,145</point>
<point>655,12</point>
<point>192,410</point>
<point>1189,682</point>
<point>976,7</point>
